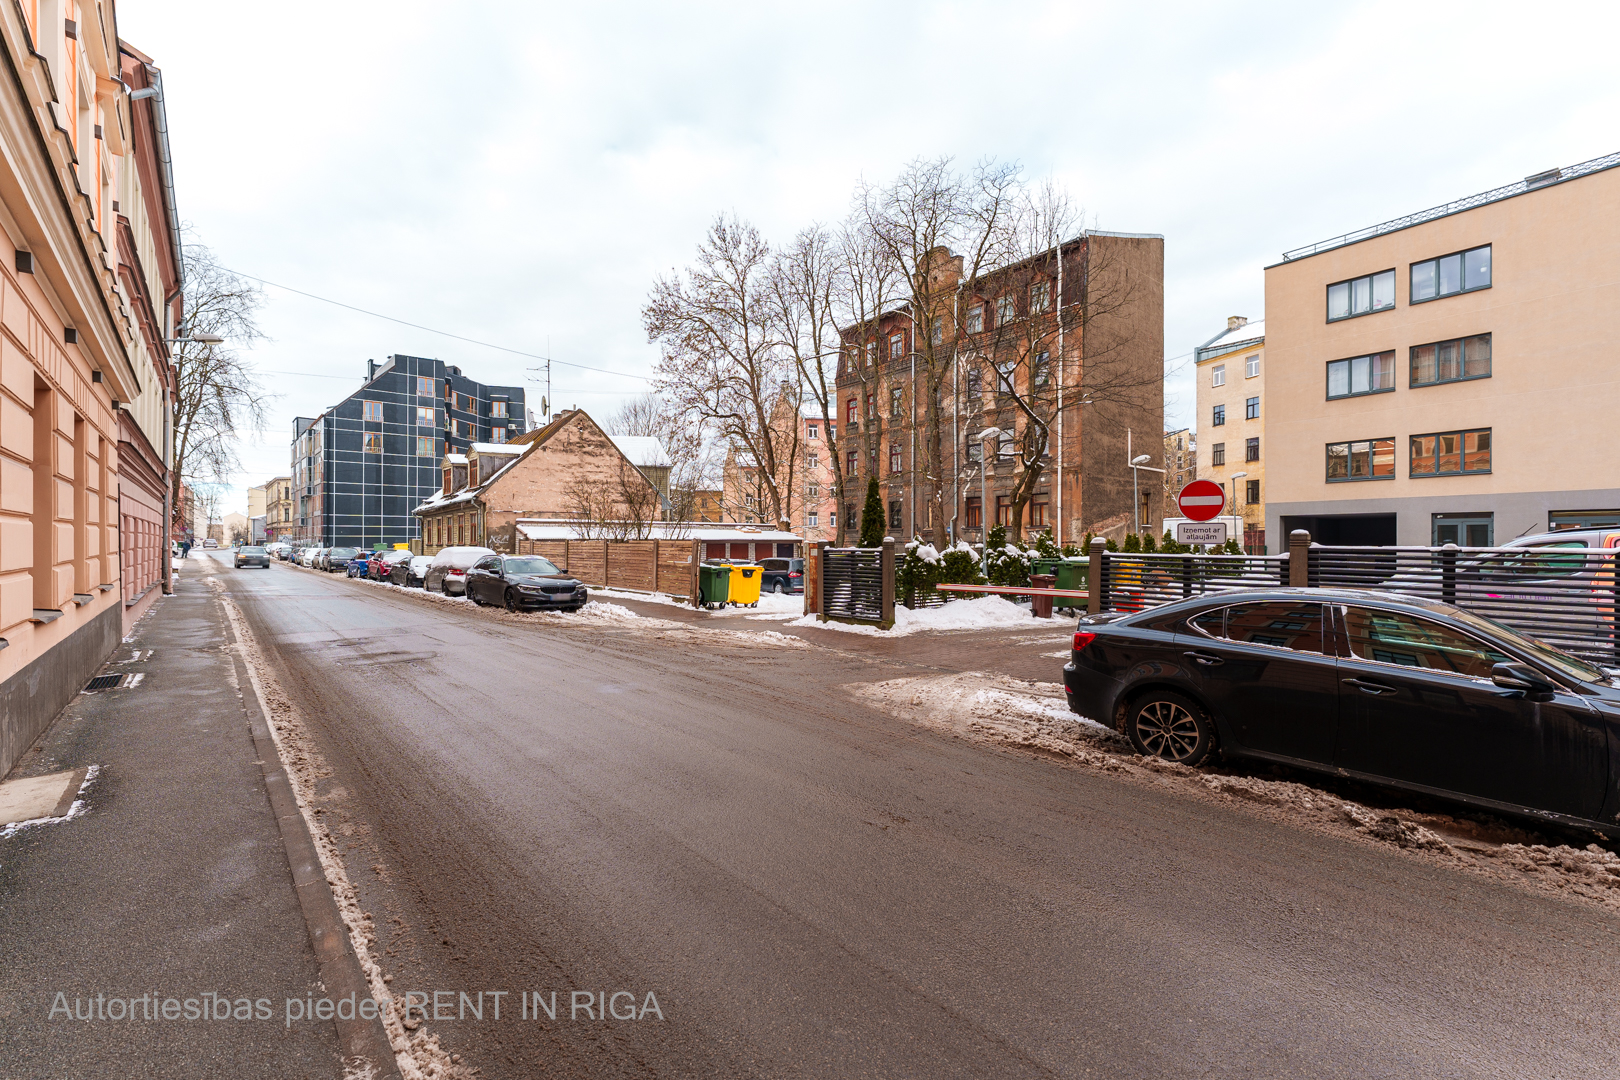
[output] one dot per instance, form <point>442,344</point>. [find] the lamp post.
<point>984,506</point>
<point>1236,527</point>
<point>196,339</point>
<point>1138,462</point>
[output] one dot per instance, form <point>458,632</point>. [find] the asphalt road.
<point>814,889</point>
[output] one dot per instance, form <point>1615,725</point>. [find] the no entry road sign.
<point>1202,500</point>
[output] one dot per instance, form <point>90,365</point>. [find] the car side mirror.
<point>1521,677</point>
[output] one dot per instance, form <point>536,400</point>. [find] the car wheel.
<point>472,594</point>
<point>512,600</point>
<point>444,587</point>
<point>778,589</point>
<point>1167,725</point>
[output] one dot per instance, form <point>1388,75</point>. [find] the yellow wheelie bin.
<point>745,581</point>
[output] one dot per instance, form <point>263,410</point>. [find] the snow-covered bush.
<point>921,566</point>
<point>1006,564</point>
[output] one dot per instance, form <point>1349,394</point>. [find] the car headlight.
<point>530,588</point>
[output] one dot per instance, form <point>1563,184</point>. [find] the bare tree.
<point>216,397</point>
<point>871,284</point>
<point>721,362</point>
<point>692,464</point>
<point>622,508</point>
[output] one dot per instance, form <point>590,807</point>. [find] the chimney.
<point>1235,321</point>
<point>371,370</point>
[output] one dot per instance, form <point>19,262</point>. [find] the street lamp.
<point>1235,478</point>
<point>984,505</point>
<point>1140,461</point>
<point>199,339</point>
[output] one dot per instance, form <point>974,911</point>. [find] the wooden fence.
<point>666,566</point>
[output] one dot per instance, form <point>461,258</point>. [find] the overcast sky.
<point>519,173</point>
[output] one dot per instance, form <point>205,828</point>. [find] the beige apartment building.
<point>1449,375</point>
<point>1231,378</point>
<point>1180,467</point>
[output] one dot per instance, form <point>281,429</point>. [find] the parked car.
<point>782,576</point>
<point>210,543</point>
<point>250,555</point>
<point>275,548</point>
<point>382,563</point>
<point>336,560</point>
<point>448,572</point>
<point>1381,687</point>
<point>308,557</point>
<point>410,572</point>
<point>356,567</point>
<point>524,581</point>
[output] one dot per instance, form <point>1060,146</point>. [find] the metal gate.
<point>852,584</point>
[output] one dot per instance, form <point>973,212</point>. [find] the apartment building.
<point>805,481</point>
<point>1432,373</point>
<point>89,291</point>
<point>1180,467</point>
<point>1060,354</point>
<point>1231,379</point>
<point>280,522</point>
<point>362,466</point>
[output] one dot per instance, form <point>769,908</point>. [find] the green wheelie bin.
<point>713,585</point>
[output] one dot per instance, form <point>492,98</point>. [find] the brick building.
<point>1070,341</point>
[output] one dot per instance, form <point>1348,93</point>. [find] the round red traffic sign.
<point>1202,500</point>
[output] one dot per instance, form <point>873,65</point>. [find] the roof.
<point>1519,187</point>
<point>1239,337</point>
<point>642,450</point>
<point>497,448</point>
<point>561,529</point>
<point>455,459</point>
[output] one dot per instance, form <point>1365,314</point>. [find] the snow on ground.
<point>1009,712</point>
<point>771,606</point>
<point>981,613</point>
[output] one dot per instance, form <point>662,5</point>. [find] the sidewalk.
<point>174,882</point>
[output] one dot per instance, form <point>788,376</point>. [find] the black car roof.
<point>1317,595</point>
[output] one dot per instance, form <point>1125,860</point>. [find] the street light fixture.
<point>1140,461</point>
<point>198,339</point>
<point>1235,477</point>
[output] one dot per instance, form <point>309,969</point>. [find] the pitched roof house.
<point>567,469</point>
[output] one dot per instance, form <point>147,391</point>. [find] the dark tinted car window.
<point>531,564</point>
<point>1391,637</point>
<point>1212,622</point>
<point>774,564</point>
<point>1286,624</point>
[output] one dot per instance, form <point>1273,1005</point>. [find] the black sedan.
<point>252,555</point>
<point>1380,687</point>
<point>524,581</point>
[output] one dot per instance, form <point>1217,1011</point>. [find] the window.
<point>1464,530</point>
<point>1219,416</point>
<point>1251,492</point>
<point>1004,446</point>
<point>975,381</point>
<point>832,519</point>
<point>1037,514</point>
<point>373,444</point>
<point>1251,409</point>
<point>894,513</point>
<point>1217,375</point>
<point>1043,369</point>
<point>497,435</point>
<point>1460,272</point>
<point>424,416</point>
<point>1251,366</point>
<point>1391,637</point>
<point>1038,297</point>
<point>810,520</point>
<point>871,410</point>
<point>894,457</point>
<point>424,446</point>
<point>1251,450</point>
<point>812,491</point>
<point>850,411</point>
<point>1005,372</point>
<point>425,386</point>
<point>1452,453</point>
<point>897,346</point>
<point>1004,310</point>
<point>871,353</point>
<point>1370,459</point>
<point>975,448</point>
<point>1003,509</point>
<point>497,409</point>
<point>813,432</point>
<point>936,330</point>
<point>832,431</point>
<point>871,459</point>
<point>1282,625</point>
<point>849,513</point>
<point>1361,375</point>
<point>1361,296</point>
<point>852,464</point>
<point>812,460</point>
<point>1217,454</point>
<point>372,413</point>
<point>975,319</point>
<point>894,402</point>
<point>973,511</point>
<point>1452,361</point>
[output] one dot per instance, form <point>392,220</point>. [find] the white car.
<point>448,571</point>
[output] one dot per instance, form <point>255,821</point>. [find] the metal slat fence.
<point>1565,596</point>
<point>852,584</point>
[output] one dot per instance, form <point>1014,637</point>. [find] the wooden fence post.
<point>696,584</point>
<point>1096,600</point>
<point>887,571</point>
<point>655,564</point>
<point>1299,559</point>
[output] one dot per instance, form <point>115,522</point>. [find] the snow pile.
<point>770,606</point>
<point>980,613</point>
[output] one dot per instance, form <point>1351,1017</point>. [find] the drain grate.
<point>104,682</point>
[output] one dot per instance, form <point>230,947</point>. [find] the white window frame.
<point>1217,375</point>
<point>1251,366</point>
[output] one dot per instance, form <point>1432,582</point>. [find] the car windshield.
<point>531,565</point>
<point>1573,667</point>
<point>253,551</point>
<point>343,553</point>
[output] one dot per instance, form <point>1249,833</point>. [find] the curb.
<point>340,972</point>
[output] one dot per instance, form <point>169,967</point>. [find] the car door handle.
<point>1204,658</point>
<point>1370,687</point>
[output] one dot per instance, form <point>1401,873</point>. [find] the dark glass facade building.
<point>361,466</point>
